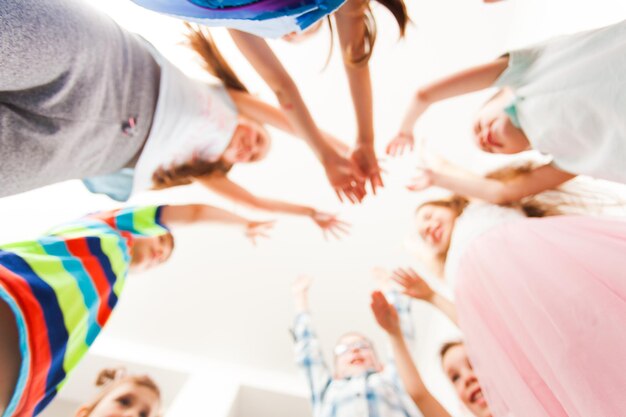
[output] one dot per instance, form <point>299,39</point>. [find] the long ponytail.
<point>200,40</point>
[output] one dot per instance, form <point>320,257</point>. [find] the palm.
<point>399,143</point>
<point>254,230</point>
<point>385,314</point>
<point>365,158</point>
<point>331,225</point>
<point>413,284</point>
<point>345,178</point>
<point>423,180</point>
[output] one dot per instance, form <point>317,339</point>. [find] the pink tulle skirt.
<point>542,304</point>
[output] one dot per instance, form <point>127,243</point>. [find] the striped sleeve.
<point>309,357</point>
<point>139,221</point>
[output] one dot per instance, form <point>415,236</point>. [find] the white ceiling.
<point>223,299</point>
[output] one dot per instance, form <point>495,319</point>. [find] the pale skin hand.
<point>422,181</point>
<point>416,287</point>
<point>331,225</point>
<point>463,82</point>
<point>344,176</point>
<point>255,230</point>
<point>300,293</point>
<point>387,318</point>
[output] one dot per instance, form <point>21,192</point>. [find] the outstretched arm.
<point>463,82</point>
<point>415,287</point>
<point>494,191</point>
<point>387,317</point>
<point>200,213</point>
<point>352,30</point>
<point>341,172</point>
<point>225,187</point>
<point>308,350</point>
<point>264,113</point>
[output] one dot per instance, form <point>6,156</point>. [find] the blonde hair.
<point>110,378</point>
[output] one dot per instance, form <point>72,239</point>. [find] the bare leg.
<point>10,356</point>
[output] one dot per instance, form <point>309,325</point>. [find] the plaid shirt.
<point>372,394</point>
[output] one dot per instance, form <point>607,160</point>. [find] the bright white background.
<point>221,300</point>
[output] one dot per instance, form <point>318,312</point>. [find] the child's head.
<point>123,396</point>
<point>434,221</point>
<point>150,251</point>
<point>493,129</point>
<point>250,143</point>
<point>355,355</point>
<point>459,371</point>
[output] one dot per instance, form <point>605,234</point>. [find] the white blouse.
<point>193,119</point>
<point>571,100</point>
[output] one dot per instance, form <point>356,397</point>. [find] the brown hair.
<point>200,40</point>
<point>399,12</point>
<point>183,173</point>
<point>111,378</point>
<point>447,346</point>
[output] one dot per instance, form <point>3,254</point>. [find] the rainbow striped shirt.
<point>62,288</point>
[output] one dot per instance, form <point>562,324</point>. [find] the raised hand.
<point>254,230</point>
<point>300,292</point>
<point>413,285</point>
<point>399,143</point>
<point>423,180</point>
<point>330,225</point>
<point>385,314</point>
<point>345,177</point>
<point>365,158</point>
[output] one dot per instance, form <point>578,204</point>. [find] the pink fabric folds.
<point>542,303</point>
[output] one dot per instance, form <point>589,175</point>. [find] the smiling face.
<point>458,368</point>
<point>354,355</point>
<point>250,143</point>
<point>125,400</point>
<point>493,130</point>
<point>148,252</point>
<point>435,225</point>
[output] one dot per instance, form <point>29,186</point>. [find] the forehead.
<point>455,357</point>
<point>352,338</point>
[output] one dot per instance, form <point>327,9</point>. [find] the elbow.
<point>284,88</point>
<point>196,212</point>
<point>422,96</point>
<point>417,395</point>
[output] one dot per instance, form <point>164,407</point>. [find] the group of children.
<point>539,295</point>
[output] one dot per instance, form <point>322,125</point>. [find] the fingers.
<point>376,180</point>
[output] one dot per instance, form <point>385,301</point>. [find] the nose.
<point>468,378</point>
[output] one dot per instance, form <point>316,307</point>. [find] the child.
<point>565,98</point>
<point>361,384</point>
<point>537,300</point>
<point>163,164</point>
<point>61,120</point>
<point>123,395</point>
<point>387,317</point>
<point>356,28</point>
<point>58,291</point>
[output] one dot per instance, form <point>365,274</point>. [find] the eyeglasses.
<point>342,349</point>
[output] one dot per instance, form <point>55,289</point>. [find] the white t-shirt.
<point>193,119</point>
<point>571,100</point>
